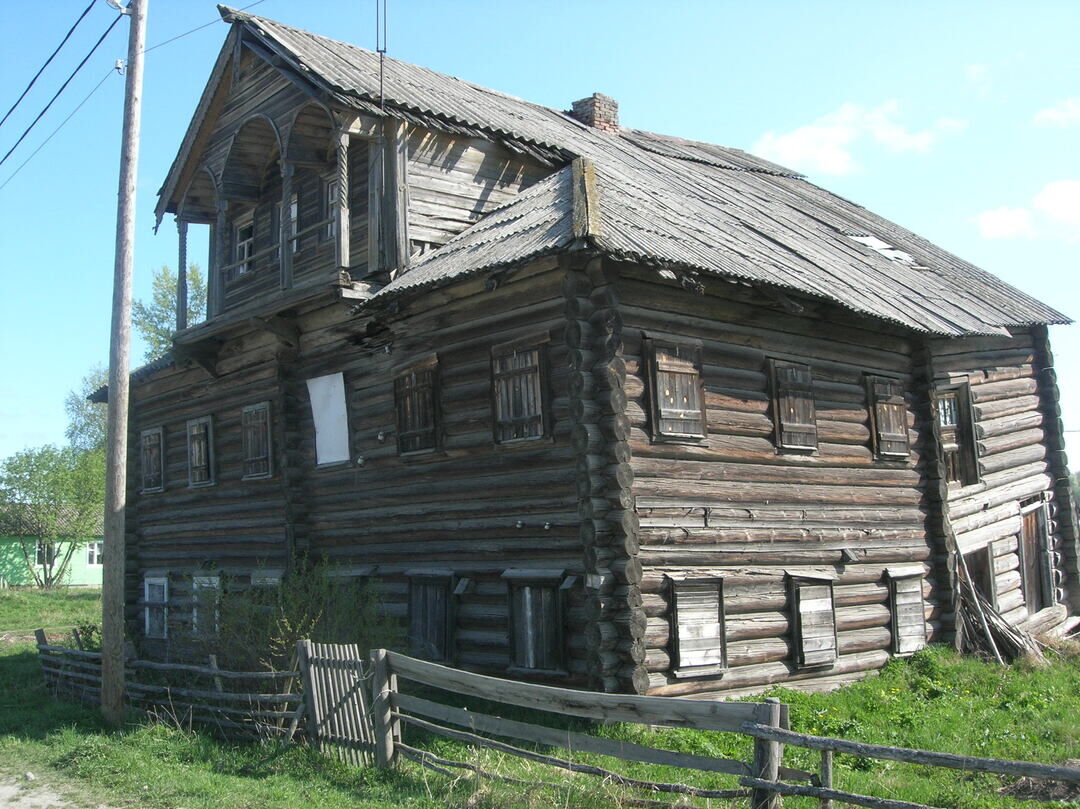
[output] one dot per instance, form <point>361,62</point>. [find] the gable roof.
<point>661,200</point>
<point>24,520</point>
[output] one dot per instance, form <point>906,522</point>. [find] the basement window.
<point>678,400</point>
<point>205,604</point>
<point>518,397</point>
<point>152,461</point>
<point>813,621</point>
<point>536,636</point>
<point>256,441</point>
<point>888,417</point>
<point>957,431</point>
<point>906,608</point>
<point>155,606</point>
<point>699,646</point>
<point>429,614</point>
<point>416,403</point>
<point>200,443</point>
<point>794,415</point>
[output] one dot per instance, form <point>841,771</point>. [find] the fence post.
<point>767,755</point>
<point>307,682</point>
<point>826,776</point>
<point>385,726</point>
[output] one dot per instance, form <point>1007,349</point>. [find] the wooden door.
<point>1031,550</point>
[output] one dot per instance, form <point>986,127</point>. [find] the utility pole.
<point>112,617</point>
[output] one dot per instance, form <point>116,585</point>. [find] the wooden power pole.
<point>112,617</point>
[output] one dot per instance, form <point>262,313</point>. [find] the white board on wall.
<point>327,394</point>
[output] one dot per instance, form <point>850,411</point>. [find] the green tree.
<point>86,428</point>
<point>155,319</point>
<point>56,495</point>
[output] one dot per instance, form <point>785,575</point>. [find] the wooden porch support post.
<point>341,204</point>
<point>395,218</point>
<point>767,756</point>
<point>287,225</point>
<point>385,726</point>
<point>181,277</point>
<point>376,261</point>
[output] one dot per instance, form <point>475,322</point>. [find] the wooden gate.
<point>335,681</point>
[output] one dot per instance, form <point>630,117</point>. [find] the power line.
<point>199,28</point>
<point>62,86</point>
<point>67,36</point>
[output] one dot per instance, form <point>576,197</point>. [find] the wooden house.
<point>595,405</point>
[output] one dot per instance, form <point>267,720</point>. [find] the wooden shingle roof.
<point>664,201</point>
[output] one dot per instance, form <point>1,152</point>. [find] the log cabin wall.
<point>1008,511</point>
<point>733,507</point>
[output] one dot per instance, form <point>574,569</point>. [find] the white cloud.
<point>1004,223</point>
<point>1064,113</point>
<point>1060,201</point>
<point>826,145</point>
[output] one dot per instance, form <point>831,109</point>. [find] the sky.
<point>958,120</point>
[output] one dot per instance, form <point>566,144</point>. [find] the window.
<point>200,441</point>
<point>416,402</point>
<point>980,571</point>
<point>155,607</point>
<point>329,209</point>
<point>957,435</point>
<point>243,243</point>
<point>152,460</point>
<point>906,607</point>
<point>429,614</point>
<point>46,553</point>
<point>205,604</point>
<point>294,222</point>
<point>813,621</point>
<point>888,417</point>
<point>678,401</point>
<point>1036,556</point>
<point>328,410</point>
<point>698,644</point>
<point>256,441</point>
<point>95,553</point>
<point>536,642</point>
<point>518,393</point>
<point>793,406</point>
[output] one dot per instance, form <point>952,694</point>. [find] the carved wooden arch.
<point>255,147</point>
<point>311,134</point>
<point>198,203</point>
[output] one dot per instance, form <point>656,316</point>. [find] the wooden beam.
<point>282,327</point>
<point>396,218</point>
<point>204,355</point>
<point>287,224</point>
<point>181,277</point>
<point>341,204</point>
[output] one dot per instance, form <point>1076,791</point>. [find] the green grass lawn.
<point>935,701</point>
<point>27,609</point>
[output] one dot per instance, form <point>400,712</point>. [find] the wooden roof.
<point>663,201</point>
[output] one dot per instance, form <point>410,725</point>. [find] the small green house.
<point>21,538</point>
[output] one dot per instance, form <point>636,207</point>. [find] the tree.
<point>86,428</point>
<point>56,496</point>
<point>155,319</point>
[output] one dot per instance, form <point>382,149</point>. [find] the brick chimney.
<point>598,111</point>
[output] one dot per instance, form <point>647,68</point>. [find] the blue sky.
<point>959,120</point>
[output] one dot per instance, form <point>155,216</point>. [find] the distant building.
<point>22,538</point>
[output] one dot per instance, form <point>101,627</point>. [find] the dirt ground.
<point>44,792</point>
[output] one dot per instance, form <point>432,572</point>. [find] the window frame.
<point>410,391</point>
<point>957,439</point>
<point>243,248</point>
<point>679,667</point>
<point>95,551</point>
<point>542,416</point>
<point>258,407</point>
<point>529,579</point>
<point>687,352</point>
<point>782,390</point>
<point>902,586</point>
<point>210,471</point>
<point>45,553</point>
<point>294,221</point>
<point>883,442</point>
<point>443,580</point>
<point>797,583</point>
<point>160,433</point>
<point>205,583</point>
<point>162,605</point>
<point>329,187</point>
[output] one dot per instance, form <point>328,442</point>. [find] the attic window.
<point>886,249</point>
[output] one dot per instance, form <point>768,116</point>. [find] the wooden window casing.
<point>813,622</point>
<point>257,445</point>
<point>699,643</point>
<point>957,433</point>
<point>200,444</point>
<point>908,613</point>
<point>536,621</point>
<point>156,607</point>
<point>678,395</point>
<point>95,554</point>
<point>205,604</point>
<point>416,402</point>
<point>519,398</point>
<point>794,414</point>
<point>152,460</point>
<point>888,417</point>
<point>430,616</point>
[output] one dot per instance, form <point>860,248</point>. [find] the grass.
<point>936,700</point>
<point>26,609</point>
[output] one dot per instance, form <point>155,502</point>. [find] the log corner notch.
<point>600,428</point>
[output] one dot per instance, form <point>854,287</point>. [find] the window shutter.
<point>518,395</point>
<point>256,440</point>
<point>814,622</point>
<point>536,630</point>
<point>793,401</point>
<point>890,417</point>
<point>906,606</point>
<point>699,646</point>
<point>429,618</point>
<point>678,402</point>
<point>415,400</point>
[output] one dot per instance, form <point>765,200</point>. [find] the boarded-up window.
<point>518,394</point>
<point>813,621</point>
<point>698,644</point>
<point>205,604</point>
<point>888,417</point>
<point>906,606</point>
<point>331,419</point>
<point>678,403</point>
<point>416,402</point>
<point>200,444</point>
<point>152,461</point>
<point>536,636</point>
<point>155,607</point>
<point>956,430</point>
<point>429,616</point>
<point>256,426</point>
<point>794,415</point>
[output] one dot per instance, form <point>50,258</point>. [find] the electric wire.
<point>62,87</point>
<point>199,28</point>
<point>37,75</point>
